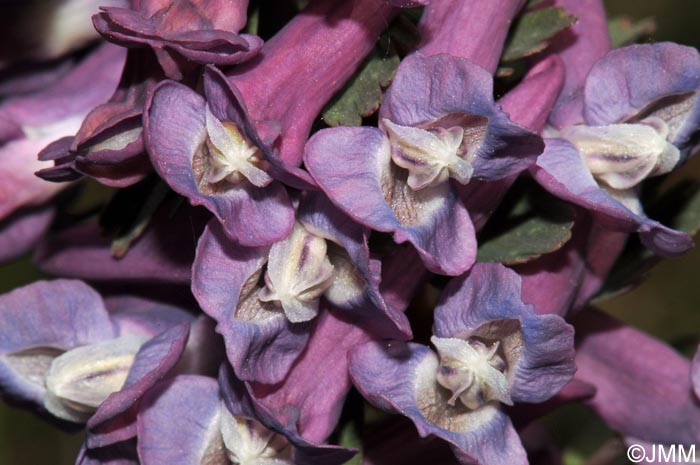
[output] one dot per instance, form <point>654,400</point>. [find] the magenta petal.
<point>387,375</point>
<point>310,398</point>
<point>347,161</point>
<point>175,131</point>
<point>57,315</point>
<point>492,292</point>
<point>561,171</point>
<point>115,419</point>
<point>631,370</point>
<point>178,422</point>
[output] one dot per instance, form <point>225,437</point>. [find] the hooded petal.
<point>400,377</point>
<point>261,343</point>
<point>487,303</point>
<point>562,172</point>
<point>176,136</point>
<point>345,161</point>
<point>645,80</point>
<point>39,322</point>
<point>358,296</point>
<point>630,369</point>
<point>453,91</point>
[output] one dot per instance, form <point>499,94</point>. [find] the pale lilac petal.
<point>50,317</point>
<point>22,230</point>
<point>389,375</point>
<point>178,422</point>
<point>562,172</point>
<point>348,161</point>
<point>491,294</point>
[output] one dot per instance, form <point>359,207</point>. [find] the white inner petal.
<point>298,273</point>
<point>80,379</point>
<point>248,442</point>
<point>622,155</point>
<point>232,157</point>
<point>430,156</point>
<point>473,371</point>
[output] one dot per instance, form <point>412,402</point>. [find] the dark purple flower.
<point>455,130</point>
<point>182,32</point>
<point>492,349</point>
<point>638,124</point>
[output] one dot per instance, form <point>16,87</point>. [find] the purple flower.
<point>492,349</point>
<point>695,373</point>
<point>67,356</point>
<point>218,422</point>
<point>207,149</point>
<point>182,32</point>
<point>638,125</point>
<point>403,170</point>
<point>265,298</point>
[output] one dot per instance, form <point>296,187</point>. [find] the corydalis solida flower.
<point>492,349</point>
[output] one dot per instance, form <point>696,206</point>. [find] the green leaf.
<point>624,31</point>
<point>363,94</point>
<point>679,208</point>
<point>532,230</point>
<point>531,34</point>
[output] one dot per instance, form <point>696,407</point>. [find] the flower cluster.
<point>270,274</point>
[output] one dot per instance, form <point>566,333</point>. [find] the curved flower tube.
<point>492,349</point>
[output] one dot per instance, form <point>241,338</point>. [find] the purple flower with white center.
<point>67,356</point>
<point>265,298</point>
<point>207,149</point>
<point>182,32</point>
<point>638,124</point>
<point>492,349</point>
<point>218,423</point>
<point>403,170</point>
